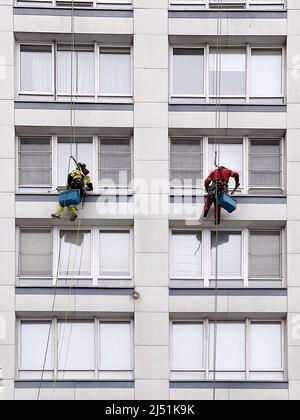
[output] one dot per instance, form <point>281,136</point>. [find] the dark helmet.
<point>82,167</point>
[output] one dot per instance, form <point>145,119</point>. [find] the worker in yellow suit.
<point>77,180</point>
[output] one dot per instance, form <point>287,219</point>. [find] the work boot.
<point>55,216</point>
<point>73,218</point>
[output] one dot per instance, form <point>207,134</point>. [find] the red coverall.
<point>215,184</point>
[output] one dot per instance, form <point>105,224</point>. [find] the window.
<point>36,69</point>
<point>115,347</point>
<point>229,258</point>
<point>265,166</point>
<point>245,258</point>
<point>188,71</point>
<point>186,255</point>
<point>76,350</point>
<point>231,81</point>
<point>90,349</point>
<point>266,72</point>
<point>229,154</point>
<point>35,253</point>
<point>81,148</point>
<point>266,351</point>
<point>36,350</point>
<point>187,347</point>
<point>75,253</point>
<point>115,71</point>
<point>35,162</point>
<point>82,67</point>
<point>265,257</point>
<point>83,72</point>
<point>239,74</point>
<point>186,162</point>
<point>115,162</point>
<point>229,4</point>
<point>243,350</point>
<point>115,254</point>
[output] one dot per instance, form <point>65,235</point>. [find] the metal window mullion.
<point>96,348</point>
<point>206,54</point>
<point>56,249</point>
<point>55,344</point>
<point>207,347</point>
<point>248,348</point>
<point>245,243</point>
<point>248,72</point>
<point>206,244</point>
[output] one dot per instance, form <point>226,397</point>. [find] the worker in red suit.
<point>216,184</point>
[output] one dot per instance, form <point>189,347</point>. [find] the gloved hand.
<point>237,184</point>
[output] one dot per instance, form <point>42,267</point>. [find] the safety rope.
<point>217,128</point>
<point>73,142</point>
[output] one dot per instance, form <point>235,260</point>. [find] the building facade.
<point>142,298</point>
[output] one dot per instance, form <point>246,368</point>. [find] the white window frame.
<point>119,189</point>
<point>190,374</point>
<point>245,188</point>
<point>116,229</point>
<point>96,96</point>
<point>21,229</point>
<point>99,374</point>
<point>207,278</point>
<point>247,98</point>
<point>51,94</point>
<point>77,3</point>
<point>241,5</point>
<point>111,95</point>
<point>283,71</point>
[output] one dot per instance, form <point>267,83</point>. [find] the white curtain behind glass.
<point>266,346</point>
<point>115,346</point>
<point>75,254</point>
<point>266,72</point>
<point>186,255</point>
<point>229,254</point>
<point>187,346</point>
<point>232,63</point>
<point>76,346</point>
<point>115,73</point>
<point>83,152</point>
<point>231,346</point>
<point>36,71</point>
<point>35,253</point>
<point>230,155</point>
<point>33,343</point>
<point>115,254</point>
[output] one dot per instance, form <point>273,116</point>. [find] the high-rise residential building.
<point>141,297</point>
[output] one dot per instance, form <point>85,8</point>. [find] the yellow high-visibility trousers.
<point>72,210</point>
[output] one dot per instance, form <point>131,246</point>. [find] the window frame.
<point>117,188</point>
<point>207,322</point>
<point>95,97</point>
<point>50,94</point>
<point>245,188</point>
<point>208,279</point>
<point>54,343</point>
<point>208,98</point>
<point>244,5</point>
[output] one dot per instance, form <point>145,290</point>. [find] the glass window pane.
<point>188,71</point>
<point>35,166</point>
<point>115,71</point>
<point>231,80</point>
<point>115,254</point>
<point>230,346</point>
<point>229,245</point>
<point>115,346</point>
<point>265,163</point>
<point>83,71</point>
<point>76,346</point>
<point>36,69</point>
<point>75,254</point>
<point>266,72</point>
<point>115,162</point>
<point>230,155</point>
<point>266,346</point>
<point>36,346</point>
<point>186,162</point>
<point>187,346</point>
<point>187,255</point>
<point>81,149</point>
<point>265,254</point>
<point>35,253</point>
